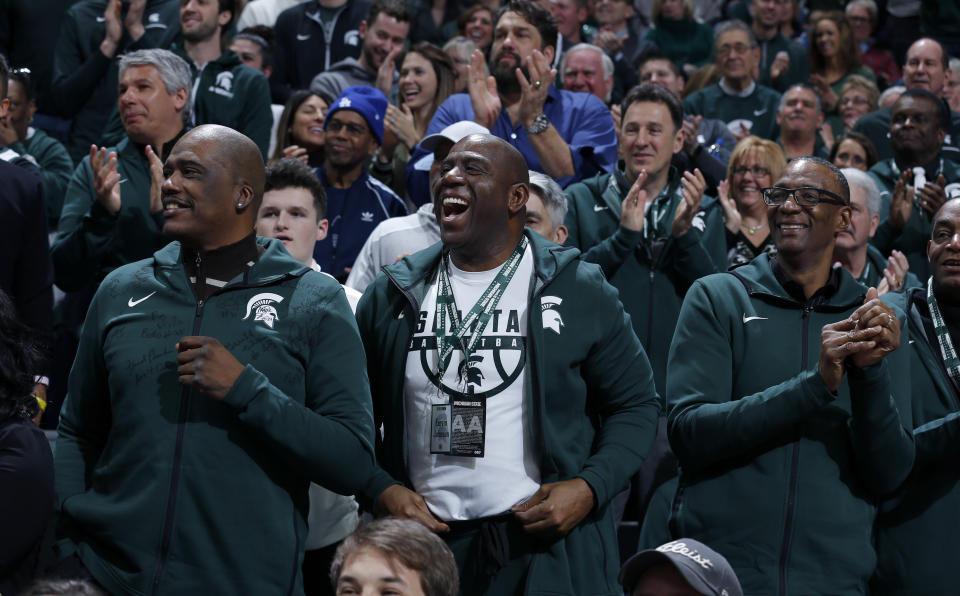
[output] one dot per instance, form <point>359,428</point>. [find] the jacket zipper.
<point>177,455</point>
<point>649,341</point>
<point>794,467</point>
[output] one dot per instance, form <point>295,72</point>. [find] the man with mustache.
<point>565,135</point>
<point>799,117</point>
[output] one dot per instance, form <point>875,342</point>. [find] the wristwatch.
<point>540,124</point>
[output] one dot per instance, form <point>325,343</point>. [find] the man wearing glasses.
<point>785,396</point>
<point>745,105</point>
<point>356,202</point>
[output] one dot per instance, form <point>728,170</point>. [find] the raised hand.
<point>901,201</point>
<point>877,316</point>
<point>483,92</point>
<point>296,151</point>
<point>693,184</point>
<point>400,122</point>
<point>932,195</point>
<point>113,28</point>
<point>894,274</point>
<point>156,180</point>
<point>634,206</point>
<point>133,22</point>
<point>106,178</point>
<point>691,129</point>
<point>534,92</point>
<point>385,72</point>
<point>731,216</point>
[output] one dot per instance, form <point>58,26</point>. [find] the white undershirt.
<point>461,488</point>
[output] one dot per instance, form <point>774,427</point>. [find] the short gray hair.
<point>808,87</point>
<point>954,64</point>
<point>735,25</point>
<point>869,5</point>
<point>604,57</point>
<point>889,92</point>
<point>554,201</point>
<point>174,71</point>
<point>860,178</point>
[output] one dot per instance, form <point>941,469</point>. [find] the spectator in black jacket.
<point>312,36</point>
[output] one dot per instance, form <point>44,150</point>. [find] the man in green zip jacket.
<point>645,225</point>
<point>111,212</point>
<point>213,382</point>
<point>785,397</point>
<point>916,528</point>
<point>515,398</point>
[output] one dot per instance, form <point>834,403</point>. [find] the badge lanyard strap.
<point>480,313</point>
<point>950,360</point>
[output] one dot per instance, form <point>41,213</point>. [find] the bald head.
<point>480,196</point>
<point>213,187</point>
<point>508,159</point>
<point>237,152</point>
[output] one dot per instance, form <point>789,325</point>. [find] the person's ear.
<point>519,193</point>
<point>560,234</point>
<point>549,52</point>
<point>180,97</point>
<point>223,18</point>
<point>362,29</point>
<point>322,227</point>
<point>243,197</point>
<point>678,139</point>
<point>843,219</point>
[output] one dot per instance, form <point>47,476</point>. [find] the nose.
<point>283,221</point>
<point>169,186</point>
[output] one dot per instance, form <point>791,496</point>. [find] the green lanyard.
<point>478,316</point>
<point>947,351</point>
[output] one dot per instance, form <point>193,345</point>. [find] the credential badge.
<point>261,306</point>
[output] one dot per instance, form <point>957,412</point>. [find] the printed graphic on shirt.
<point>496,362</point>
<point>261,306</point>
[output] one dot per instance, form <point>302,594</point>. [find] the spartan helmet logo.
<point>261,306</point>
<point>551,318</point>
<point>225,80</point>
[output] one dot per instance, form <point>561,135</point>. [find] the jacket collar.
<point>274,264</point>
<point>411,274</point>
<point>759,280</point>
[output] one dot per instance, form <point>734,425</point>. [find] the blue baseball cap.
<point>369,102</point>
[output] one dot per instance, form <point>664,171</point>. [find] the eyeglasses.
<point>806,196</point>
<point>757,171</point>
<point>355,130</point>
<point>855,100</point>
<point>740,48</point>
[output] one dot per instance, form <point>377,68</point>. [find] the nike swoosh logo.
<point>101,19</point>
<point>760,112</point>
<point>131,302</point>
<point>747,319</point>
<point>302,37</point>
<point>600,207</point>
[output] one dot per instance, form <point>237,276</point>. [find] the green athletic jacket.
<point>760,108</point>
<point>912,239</point>
<point>91,242</point>
<point>55,165</point>
<point>915,533</point>
<point>651,280</point>
<point>778,474</point>
<point>590,390</point>
<point>163,490</point>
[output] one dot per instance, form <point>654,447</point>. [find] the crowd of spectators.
<point>734,180</point>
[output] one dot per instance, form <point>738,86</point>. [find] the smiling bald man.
<point>213,382</point>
